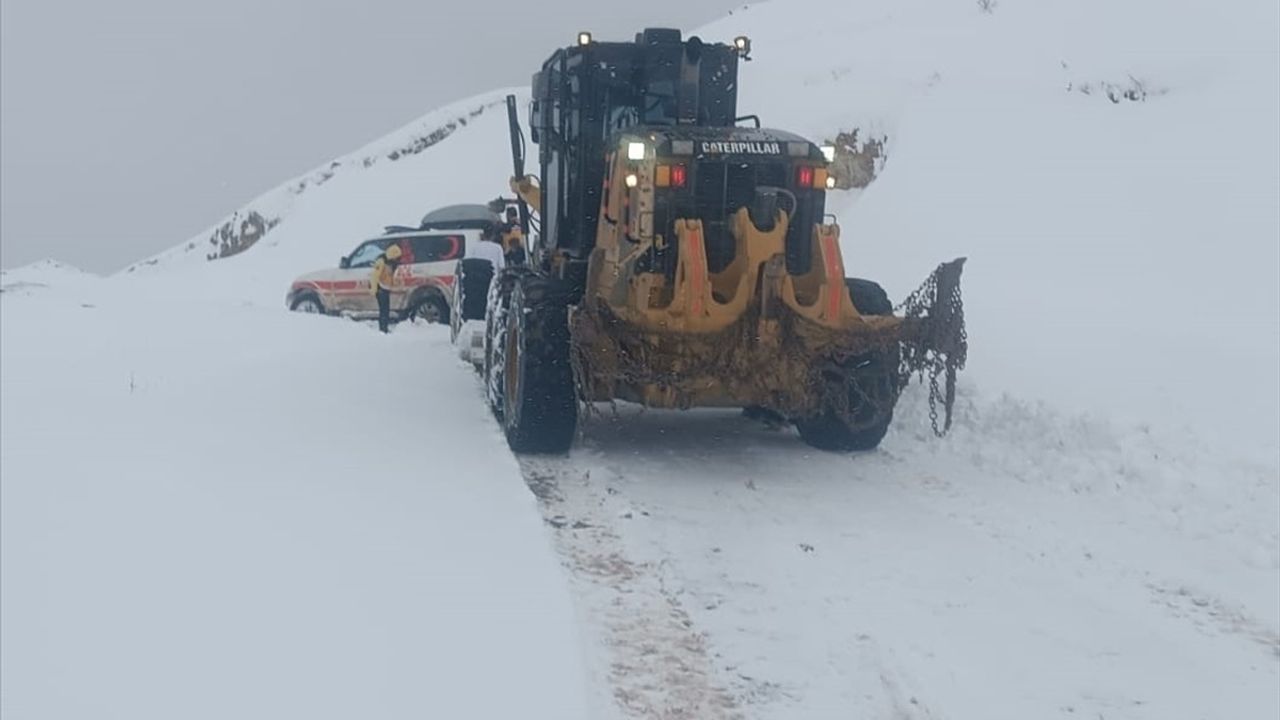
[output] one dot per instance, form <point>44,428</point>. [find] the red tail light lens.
<point>679,176</point>
<point>804,176</point>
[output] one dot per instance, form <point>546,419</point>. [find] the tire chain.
<point>941,346</point>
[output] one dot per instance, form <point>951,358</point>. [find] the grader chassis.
<point>682,260</point>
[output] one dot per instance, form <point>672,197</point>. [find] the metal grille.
<point>719,190</point>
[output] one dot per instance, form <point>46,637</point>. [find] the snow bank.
<point>212,511</point>
<point>286,513</point>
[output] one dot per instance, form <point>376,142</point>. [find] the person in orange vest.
<point>513,238</point>
<point>384,277</point>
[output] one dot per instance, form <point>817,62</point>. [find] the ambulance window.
<point>367,253</point>
<point>437,248</point>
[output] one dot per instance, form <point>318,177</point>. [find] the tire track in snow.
<point>1211,615</point>
<point>659,668</point>
<point>663,663</point>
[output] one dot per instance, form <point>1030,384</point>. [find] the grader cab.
<point>681,259</point>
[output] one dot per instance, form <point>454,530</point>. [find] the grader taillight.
<point>671,176</point>
<point>809,177</point>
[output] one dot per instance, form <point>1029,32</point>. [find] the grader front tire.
<point>867,382</point>
<point>540,407</point>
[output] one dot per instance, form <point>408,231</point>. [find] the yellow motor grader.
<point>681,257</point>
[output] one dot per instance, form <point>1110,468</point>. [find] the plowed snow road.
<point>1027,566</point>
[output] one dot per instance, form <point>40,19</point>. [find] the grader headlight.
<point>636,150</point>
<point>829,152</point>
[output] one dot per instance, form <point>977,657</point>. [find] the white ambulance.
<point>423,290</point>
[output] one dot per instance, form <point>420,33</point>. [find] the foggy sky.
<point>128,126</point>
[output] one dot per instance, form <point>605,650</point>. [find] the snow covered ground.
<point>214,510</point>
<point>1033,565</point>
<point>205,496</point>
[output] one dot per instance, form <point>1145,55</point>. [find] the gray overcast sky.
<point>127,126</point>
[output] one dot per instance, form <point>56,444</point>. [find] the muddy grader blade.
<point>753,335</point>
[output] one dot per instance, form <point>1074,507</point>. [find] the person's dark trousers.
<point>384,309</point>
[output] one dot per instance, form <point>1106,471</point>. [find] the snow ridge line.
<point>246,226</point>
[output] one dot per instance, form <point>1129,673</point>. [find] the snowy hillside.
<point>1117,249</point>
<point>205,496</point>
<point>245,227</point>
